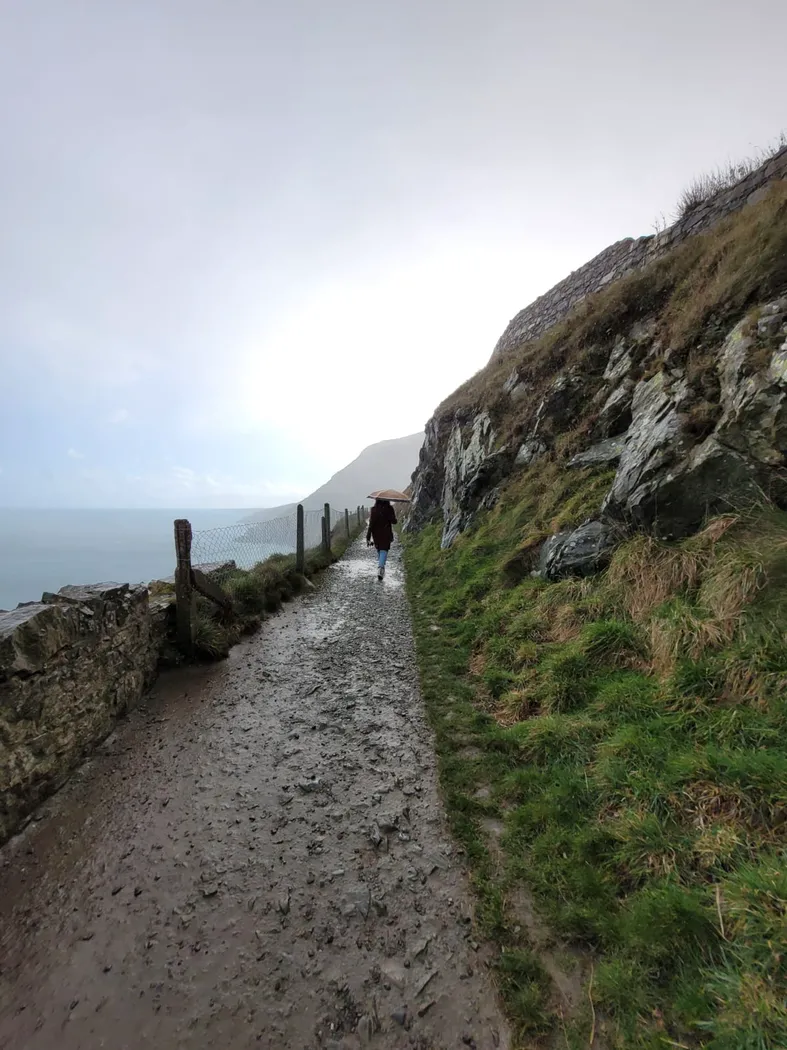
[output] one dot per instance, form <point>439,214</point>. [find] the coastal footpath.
<point>257,856</point>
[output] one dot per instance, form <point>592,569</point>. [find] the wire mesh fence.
<point>312,529</point>
<point>242,546</point>
<point>245,544</point>
<point>338,521</point>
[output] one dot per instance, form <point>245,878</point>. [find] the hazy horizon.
<point>243,241</point>
<point>43,549</point>
<point>229,505</point>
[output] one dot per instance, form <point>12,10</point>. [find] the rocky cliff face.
<point>675,377</point>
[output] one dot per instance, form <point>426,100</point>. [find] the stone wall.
<point>70,666</point>
<point>629,255</point>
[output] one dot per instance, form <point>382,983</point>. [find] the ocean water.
<point>43,550</point>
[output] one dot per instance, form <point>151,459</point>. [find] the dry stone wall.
<point>629,255</point>
<point>70,666</point>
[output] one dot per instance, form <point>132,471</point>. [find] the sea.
<point>43,550</point>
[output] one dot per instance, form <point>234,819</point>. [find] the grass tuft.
<point>212,639</point>
<point>711,183</point>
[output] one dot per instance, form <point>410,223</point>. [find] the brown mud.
<point>257,857</point>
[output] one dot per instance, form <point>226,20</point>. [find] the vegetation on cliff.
<point>630,731</point>
<point>614,748</point>
<point>706,186</point>
<point>695,294</point>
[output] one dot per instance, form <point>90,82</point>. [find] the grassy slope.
<point>631,733</point>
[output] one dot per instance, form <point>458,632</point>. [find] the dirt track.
<point>257,857</point>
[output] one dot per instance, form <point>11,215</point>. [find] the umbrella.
<point>392,495</point>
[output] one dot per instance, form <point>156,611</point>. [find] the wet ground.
<point>257,857</point>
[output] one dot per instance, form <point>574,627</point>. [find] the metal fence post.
<point>347,521</point>
<point>185,598</point>
<point>327,528</point>
<point>300,545</point>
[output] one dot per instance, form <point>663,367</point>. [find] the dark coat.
<point>381,522</point>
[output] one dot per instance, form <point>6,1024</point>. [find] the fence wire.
<point>246,544</point>
<point>312,529</point>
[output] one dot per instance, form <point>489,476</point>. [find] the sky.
<point>242,239</point>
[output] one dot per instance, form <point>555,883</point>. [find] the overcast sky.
<point>241,239</point>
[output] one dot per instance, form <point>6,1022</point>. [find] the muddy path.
<point>256,857</point>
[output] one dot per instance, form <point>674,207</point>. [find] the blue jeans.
<point>382,557</point>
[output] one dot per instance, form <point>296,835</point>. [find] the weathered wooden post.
<point>326,546</point>
<point>358,514</point>
<point>327,511</point>
<point>185,596</point>
<point>347,521</point>
<point>300,544</point>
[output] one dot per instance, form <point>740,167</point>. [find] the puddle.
<point>365,567</point>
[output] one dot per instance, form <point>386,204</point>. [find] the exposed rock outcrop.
<point>669,477</point>
<point>577,552</point>
<point>669,481</point>
<point>675,378</point>
<point>429,477</point>
<point>530,451</point>
<point>615,415</point>
<point>472,468</point>
<point>604,453</point>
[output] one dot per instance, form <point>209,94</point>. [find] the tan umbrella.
<point>392,495</point>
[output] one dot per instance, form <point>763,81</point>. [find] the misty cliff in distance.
<point>388,464</point>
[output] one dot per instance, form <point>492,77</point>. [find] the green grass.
<point>212,637</point>
<point>631,732</point>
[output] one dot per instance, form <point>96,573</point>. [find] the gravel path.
<point>256,857</point>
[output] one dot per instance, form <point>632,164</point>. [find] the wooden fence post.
<point>325,544</point>
<point>358,514</point>
<point>327,528</point>
<point>300,545</point>
<point>185,597</point>
<point>347,521</point>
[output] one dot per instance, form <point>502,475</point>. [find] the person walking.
<point>382,519</point>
